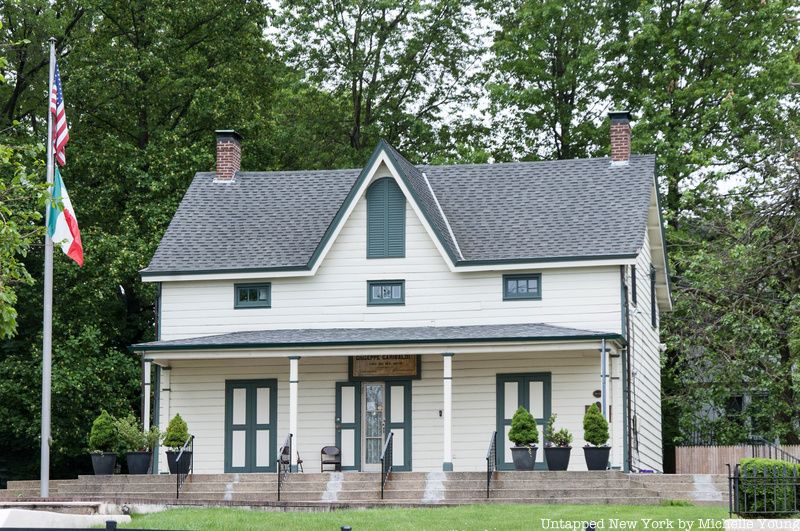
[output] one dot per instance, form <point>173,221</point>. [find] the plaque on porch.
<point>384,367</point>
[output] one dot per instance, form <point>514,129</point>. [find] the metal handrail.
<point>767,449</point>
<point>181,476</point>
<point>491,461</point>
<point>386,460</point>
<point>284,464</point>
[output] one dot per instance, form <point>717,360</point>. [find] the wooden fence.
<point>712,459</point>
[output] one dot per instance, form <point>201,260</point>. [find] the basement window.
<point>385,292</point>
<point>522,287</point>
<point>252,295</point>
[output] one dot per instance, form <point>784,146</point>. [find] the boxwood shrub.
<point>768,488</point>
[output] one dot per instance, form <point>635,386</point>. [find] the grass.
<point>470,517</point>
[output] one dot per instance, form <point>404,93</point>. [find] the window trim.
<point>238,305</point>
<point>522,276</point>
<point>385,302</point>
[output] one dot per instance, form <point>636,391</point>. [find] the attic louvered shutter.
<point>386,220</point>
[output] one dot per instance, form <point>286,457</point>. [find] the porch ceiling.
<point>342,341</point>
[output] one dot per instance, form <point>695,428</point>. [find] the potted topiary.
<point>557,448</point>
<point>137,444</point>
<point>174,438</point>
<point>524,435</point>
<point>103,443</point>
<point>595,432</point>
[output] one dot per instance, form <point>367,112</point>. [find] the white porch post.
<point>146,395</point>
<point>447,412</point>
<point>293,378</point>
<point>603,378</point>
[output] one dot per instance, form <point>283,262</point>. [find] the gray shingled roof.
<point>378,336</point>
<point>575,209</point>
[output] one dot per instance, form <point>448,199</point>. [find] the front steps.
<point>362,489</point>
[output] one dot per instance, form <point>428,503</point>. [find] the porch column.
<point>603,378</point>
<point>447,412</point>
<point>146,395</point>
<point>293,377</point>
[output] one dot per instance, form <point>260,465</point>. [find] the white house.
<point>425,301</point>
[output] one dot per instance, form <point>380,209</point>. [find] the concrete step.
<point>550,494</point>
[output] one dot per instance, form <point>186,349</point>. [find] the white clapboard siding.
<point>197,392</point>
<point>579,297</point>
<point>646,371</point>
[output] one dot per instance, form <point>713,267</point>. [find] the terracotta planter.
<point>524,457</point>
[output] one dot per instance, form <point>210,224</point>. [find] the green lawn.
<point>477,517</point>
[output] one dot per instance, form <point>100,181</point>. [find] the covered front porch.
<point>441,397</point>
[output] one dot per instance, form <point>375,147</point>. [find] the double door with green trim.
<point>251,425</point>
<point>531,390</point>
<point>366,412</point>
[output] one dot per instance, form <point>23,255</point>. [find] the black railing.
<point>760,447</point>
<point>764,491</point>
<point>284,464</point>
<point>386,460</point>
<point>183,470</point>
<point>491,461</point>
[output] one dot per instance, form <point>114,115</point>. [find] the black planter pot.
<point>524,457</point>
<point>103,464</point>
<point>138,462</point>
<point>557,458</point>
<point>596,457</point>
<point>186,461</point>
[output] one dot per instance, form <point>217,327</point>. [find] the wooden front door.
<point>250,425</point>
<point>531,390</point>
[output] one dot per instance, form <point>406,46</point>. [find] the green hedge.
<point>768,488</point>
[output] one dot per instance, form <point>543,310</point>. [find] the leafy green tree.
<point>523,430</point>
<point>708,82</point>
<point>549,73</point>
<point>398,66</point>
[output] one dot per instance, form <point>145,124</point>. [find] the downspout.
<point>626,396</point>
<point>157,392</point>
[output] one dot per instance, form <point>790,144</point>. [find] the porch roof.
<point>315,337</point>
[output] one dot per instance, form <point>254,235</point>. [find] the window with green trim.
<point>252,295</point>
<point>522,287</point>
<point>382,292</point>
<point>386,220</point>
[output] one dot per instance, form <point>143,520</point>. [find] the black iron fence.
<point>491,461</point>
<point>386,460</point>
<point>284,464</point>
<point>184,464</point>
<point>764,489</point>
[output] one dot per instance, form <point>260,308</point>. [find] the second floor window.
<point>386,220</point>
<point>252,295</point>
<point>527,286</point>
<point>386,292</point>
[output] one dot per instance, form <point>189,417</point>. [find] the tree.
<point>549,75</point>
<point>708,81</point>
<point>734,338</point>
<point>399,66</point>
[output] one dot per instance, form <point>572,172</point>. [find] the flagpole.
<point>47,332</point>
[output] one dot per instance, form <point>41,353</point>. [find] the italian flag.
<point>62,225</point>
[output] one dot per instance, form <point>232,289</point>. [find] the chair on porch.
<point>330,455</point>
<point>284,459</point>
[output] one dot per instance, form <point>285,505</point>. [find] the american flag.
<point>60,129</point>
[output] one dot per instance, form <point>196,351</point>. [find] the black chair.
<point>330,455</point>
<point>285,459</point>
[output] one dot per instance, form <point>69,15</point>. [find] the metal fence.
<point>764,492</point>
<point>491,461</point>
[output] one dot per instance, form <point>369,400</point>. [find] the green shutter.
<point>386,220</point>
<point>395,221</point>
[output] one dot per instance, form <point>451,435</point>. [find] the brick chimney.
<point>229,155</point>
<point>620,136</point>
